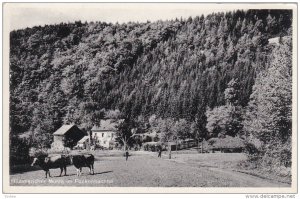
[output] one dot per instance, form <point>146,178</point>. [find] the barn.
<point>67,136</point>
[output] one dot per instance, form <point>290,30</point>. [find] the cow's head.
<point>35,161</point>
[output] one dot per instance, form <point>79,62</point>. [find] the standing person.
<point>159,152</point>
<point>126,154</point>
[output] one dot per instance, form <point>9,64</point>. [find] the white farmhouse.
<point>105,134</point>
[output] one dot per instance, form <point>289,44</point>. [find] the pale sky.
<point>30,14</point>
<point>22,15</point>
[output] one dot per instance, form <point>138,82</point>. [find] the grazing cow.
<point>80,161</point>
<point>53,162</point>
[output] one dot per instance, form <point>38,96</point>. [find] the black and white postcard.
<point>150,98</point>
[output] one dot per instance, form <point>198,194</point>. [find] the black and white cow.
<point>80,161</point>
<point>53,162</point>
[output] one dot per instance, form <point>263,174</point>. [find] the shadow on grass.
<point>58,176</point>
<point>19,169</point>
<point>88,174</point>
<point>102,172</point>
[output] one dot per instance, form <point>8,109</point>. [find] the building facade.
<point>105,134</point>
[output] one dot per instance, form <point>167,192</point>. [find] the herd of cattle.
<point>61,161</point>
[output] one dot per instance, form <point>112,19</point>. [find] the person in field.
<point>126,155</point>
<point>159,152</point>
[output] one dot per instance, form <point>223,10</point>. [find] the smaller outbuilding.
<point>84,143</point>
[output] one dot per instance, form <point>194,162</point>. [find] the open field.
<point>217,160</point>
<point>144,169</point>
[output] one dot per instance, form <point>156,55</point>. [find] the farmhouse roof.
<point>274,40</point>
<point>151,142</point>
<point>25,135</point>
<point>189,139</point>
<point>172,143</point>
<point>83,139</point>
<point>150,134</point>
<point>63,129</point>
<point>107,125</point>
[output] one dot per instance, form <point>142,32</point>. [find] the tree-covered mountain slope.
<point>175,68</point>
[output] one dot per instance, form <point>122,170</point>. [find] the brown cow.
<point>53,162</point>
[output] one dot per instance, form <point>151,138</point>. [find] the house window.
<point>102,134</point>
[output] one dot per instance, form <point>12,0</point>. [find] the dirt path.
<point>144,171</point>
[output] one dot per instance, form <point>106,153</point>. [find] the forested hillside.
<point>173,69</point>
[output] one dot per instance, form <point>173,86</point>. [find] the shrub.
<point>286,157</point>
<point>64,151</point>
<point>156,139</point>
<point>151,146</point>
<point>251,149</point>
<point>19,151</point>
<point>34,152</point>
<point>147,139</point>
<point>146,147</point>
<point>252,152</point>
